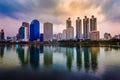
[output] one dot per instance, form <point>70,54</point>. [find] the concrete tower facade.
<point>78,28</point>
<point>48,31</point>
<point>86,28</point>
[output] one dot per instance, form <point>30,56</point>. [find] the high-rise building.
<point>68,23</point>
<point>78,28</point>
<point>26,26</point>
<point>2,35</point>
<point>59,36</point>
<point>64,34</point>
<point>70,33</point>
<point>48,31</point>
<point>93,23</point>
<point>34,30</point>
<point>21,33</point>
<point>55,37</point>
<point>41,37</point>
<point>86,28</point>
<point>94,35</point>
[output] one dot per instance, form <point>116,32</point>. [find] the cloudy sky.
<point>14,12</point>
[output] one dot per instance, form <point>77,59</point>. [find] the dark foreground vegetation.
<point>88,42</point>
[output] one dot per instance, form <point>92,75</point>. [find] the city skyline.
<point>15,12</point>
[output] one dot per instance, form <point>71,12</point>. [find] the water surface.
<point>59,63</point>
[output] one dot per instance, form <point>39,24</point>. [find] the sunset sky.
<point>14,12</point>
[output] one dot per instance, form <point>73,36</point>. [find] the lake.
<point>59,63</point>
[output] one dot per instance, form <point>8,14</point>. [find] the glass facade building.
<point>34,30</point>
<point>41,37</point>
<point>2,35</point>
<point>21,33</point>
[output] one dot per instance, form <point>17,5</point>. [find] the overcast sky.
<point>14,12</point>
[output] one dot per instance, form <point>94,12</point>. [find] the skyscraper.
<point>59,36</point>
<point>41,37</point>
<point>26,26</point>
<point>2,35</point>
<point>34,30</point>
<point>93,23</point>
<point>68,23</point>
<point>70,33</point>
<point>94,34</point>
<point>48,31</point>
<point>21,33</point>
<point>64,34</point>
<point>86,28</point>
<point>78,28</point>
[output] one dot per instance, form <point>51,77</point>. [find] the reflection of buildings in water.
<point>108,49</point>
<point>48,56</point>
<point>70,56</point>
<point>86,58</point>
<point>57,49</point>
<point>2,47</point>
<point>13,47</point>
<point>94,57</point>
<point>79,58</point>
<point>63,50</point>
<point>41,48</point>
<point>8,47</point>
<point>34,56</point>
<point>23,55</point>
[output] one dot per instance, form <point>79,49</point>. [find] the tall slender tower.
<point>68,23</point>
<point>93,23</point>
<point>86,28</point>
<point>94,34</point>
<point>78,28</point>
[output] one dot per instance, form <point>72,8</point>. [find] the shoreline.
<point>69,44</point>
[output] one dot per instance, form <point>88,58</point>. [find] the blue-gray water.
<point>59,63</point>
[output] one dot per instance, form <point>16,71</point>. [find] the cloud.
<point>57,10</point>
<point>10,8</point>
<point>110,9</point>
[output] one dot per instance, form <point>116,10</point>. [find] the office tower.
<point>2,35</point>
<point>34,30</point>
<point>64,34</point>
<point>41,37</point>
<point>48,31</point>
<point>21,33</point>
<point>94,35</point>
<point>86,28</point>
<point>93,23</point>
<point>70,33</point>
<point>26,26</point>
<point>68,23</point>
<point>59,36</point>
<point>55,37</point>
<point>78,28</point>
